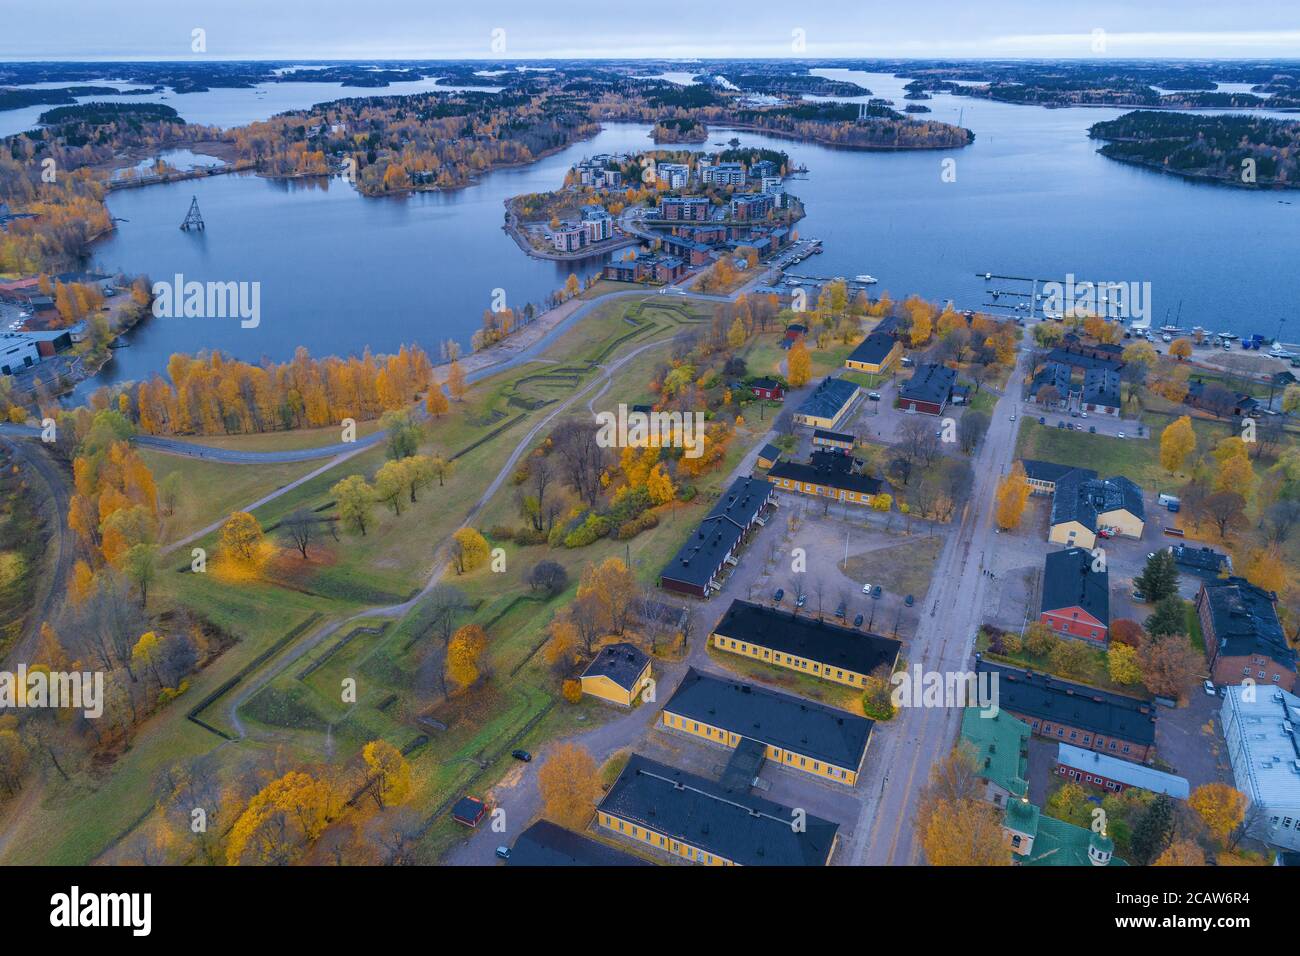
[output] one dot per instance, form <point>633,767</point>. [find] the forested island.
<point>1246,151</point>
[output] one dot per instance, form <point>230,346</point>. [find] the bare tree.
<point>299,529</point>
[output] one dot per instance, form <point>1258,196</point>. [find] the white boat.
<point>1278,352</point>
<point>865,279</point>
<point>1227,336</point>
<point>1166,337</point>
<point>1170,329</point>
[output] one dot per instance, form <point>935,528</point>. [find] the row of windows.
<point>1286,823</point>
<point>1074,735</point>
<point>661,841</point>
<point>1091,778</point>
<point>1064,626</point>
<point>1246,673</point>
<point>787,660</point>
<point>773,753</point>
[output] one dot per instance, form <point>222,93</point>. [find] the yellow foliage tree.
<point>463,652</point>
<point>1177,441</point>
<point>799,365</point>
<point>390,771</point>
<point>1221,807</point>
<point>569,786</point>
<point>1012,495</point>
<point>469,550</point>
<point>243,546</point>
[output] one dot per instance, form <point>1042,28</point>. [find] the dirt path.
<point>52,585</point>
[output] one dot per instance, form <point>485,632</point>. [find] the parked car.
<point>840,611</point>
<point>1120,435</point>
<point>876,591</point>
<point>801,600</point>
<point>779,596</point>
<point>1013,416</point>
<point>1083,414</point>
<point>857,621</point>
<point>866,589</point>
<point>1139,596</point>
<point>1092,430</point>
<point>909,600</point>
<point>1042,421</point>
<point>1209,688</point>
<point>1060,424</point>
<point>523,755</point>
<point>503,852</point>
<point>873,396</point>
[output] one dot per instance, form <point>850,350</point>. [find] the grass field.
<point>301,711</point>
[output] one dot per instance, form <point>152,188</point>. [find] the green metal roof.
<point>999,744</point>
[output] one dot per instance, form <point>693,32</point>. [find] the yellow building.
<point>693,818</point>
<point>1085,508</point>
<point>618,674</point>
<point>829,474</point>
<point>790,731</point>
<point>875,354</point>
<point>801,643</point>
<point>768,456</point>
<point>828,404</point>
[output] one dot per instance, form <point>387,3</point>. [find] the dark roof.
<point>769,452</point>
<point>1070,581</point>
<point>1079,497</point>
<point>887,326</point>
<point>1078,360</point>
<point>1055,374</point>
<point>1240,400</point>
<point>727,822</point>
<point>829,398</point>
<point>622,663</point>
<point>1101,387</point>
<point>859,651</point>
<point>873,349</point>
<point>929,383</point>
<point>780,720</point>
<point>1049,698</point>
<point>706,549</point>
<point>469,809</point>
<point>829,468</point>
<point>827,434</point>
<point>545,844</point>
<point>1202,559</point>
<point>1245,621</point>
<point>1051,471</point>
<point>765,383</point>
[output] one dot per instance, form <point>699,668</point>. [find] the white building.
<point>17,351</point>
<point>674,175</point>
<point>1260,725</point>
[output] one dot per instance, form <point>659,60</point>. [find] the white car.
<point>1013,417</point>
<point>1209,688</point>
<point>1120,435</point>
<point>866,589</point>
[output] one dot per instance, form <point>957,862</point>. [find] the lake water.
<point>1031,198</point>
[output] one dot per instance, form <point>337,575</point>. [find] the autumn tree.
<point>1177,441</point>
<point>469,550</point>
<point>1168,665</point>
<point>613,587</point>
<point>280,821</point>
<point>1221,807</point>
<point>1181,852</point>
<point>389,772</point>
<point>435,402</point>
<point>354,498</point>
<point>456,384</point>
<point>957,827</point>
<point>463,653</point>
<point>141,567</point>
<point>1122,664</point>
<point>243,546</point>
<point>569,786</point>
<point>798,365</point>
<point>1012,496</point>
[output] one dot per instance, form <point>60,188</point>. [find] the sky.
<point>670,29</point>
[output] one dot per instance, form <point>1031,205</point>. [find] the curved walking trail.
<point>440,564</point>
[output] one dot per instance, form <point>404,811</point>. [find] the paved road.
<point>898,764</point>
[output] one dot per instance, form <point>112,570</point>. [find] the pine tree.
<point>1159,579</point>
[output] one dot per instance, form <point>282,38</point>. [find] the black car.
<point>1060,424</point>
<point>877,591</point>
<point>1092,429</point>
<point>779,595</point>
<point>909,600</point>
<point>1042,421</point>
<point>523,755</point>
<point>839,611</point>
<point>857,621</point>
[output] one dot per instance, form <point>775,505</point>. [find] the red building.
<point>1076,595</point>
<point>768,388</point>
<point>1243,636</point>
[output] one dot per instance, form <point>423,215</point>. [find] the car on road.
<point>1092,430</point>
<point>1042,421</point>
<point>523,755</point>
<point>841,610</point>
<point>1120,435</point>
<point>779,596</point>
<point>1209,688</point>
<point>873,396</point>
<point>876,591</point>
<point>1083,414</point>
<point>857,621</point>
<point>1013,416</point>
<point>1060,424</point>
<point>866,589</point>
<point>909,600</point>
<point>801,600</point>
<point>503,852</point>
